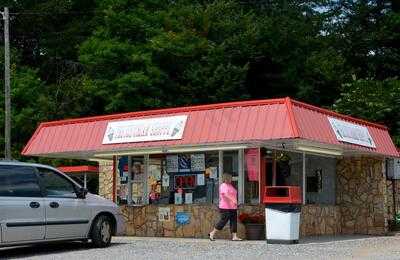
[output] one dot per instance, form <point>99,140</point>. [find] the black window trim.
<point>43,188</point>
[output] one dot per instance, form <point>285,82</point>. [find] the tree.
<point>375,100</point>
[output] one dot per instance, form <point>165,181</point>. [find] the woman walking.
<point>227,208</point>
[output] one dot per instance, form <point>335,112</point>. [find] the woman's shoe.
<point>237,239</point>
<point>211,237</point>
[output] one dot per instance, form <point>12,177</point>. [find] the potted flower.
<point>254,224</point>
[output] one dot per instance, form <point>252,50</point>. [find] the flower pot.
<point>255,231</point>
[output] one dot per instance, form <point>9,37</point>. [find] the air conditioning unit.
<point>393,169</point>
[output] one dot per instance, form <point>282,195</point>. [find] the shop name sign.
<point>351,133</point>
<point>141,130</point>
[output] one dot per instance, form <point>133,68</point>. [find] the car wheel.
<point>101,232</point>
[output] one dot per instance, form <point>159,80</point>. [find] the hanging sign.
<point>141,130</point>
<point>351,133</point>
<point>252,156</point>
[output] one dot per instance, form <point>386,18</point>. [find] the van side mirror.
<point>81,192</point>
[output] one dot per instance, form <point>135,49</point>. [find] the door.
<point>22,213</point>
<point>67,216</point>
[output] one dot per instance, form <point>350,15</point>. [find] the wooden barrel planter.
<point>255,231</point>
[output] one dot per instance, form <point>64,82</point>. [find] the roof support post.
<point>129,181</point>
<point>114,179</point>
<point>85,180</point>
<point>146,177</point>
<point>220,168</point>
<point>304,179</point>
<point>241,176</point>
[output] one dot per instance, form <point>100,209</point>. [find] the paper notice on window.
<point>137,189</point>
<point>164,214</point>
<point>214,173</point>
<point>197,162</point>
<point>172,163</point>
<point>188,198</point>
<point>200,180</point>
<point>165,180</point>
<point>178,198</point>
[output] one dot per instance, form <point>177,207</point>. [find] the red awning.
<point>79,169</point>
<point>232,123</point>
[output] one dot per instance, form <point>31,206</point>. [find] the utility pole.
<point>7,96</point>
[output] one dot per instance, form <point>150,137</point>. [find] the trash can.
<point>282,213</point>
<point>283,222</point>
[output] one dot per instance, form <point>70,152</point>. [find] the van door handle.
<point>54,205</point>
<point>34,204</point>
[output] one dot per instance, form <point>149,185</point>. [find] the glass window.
<point>56,185</point>
<point>231,166</point>
<point>18,181</point>
<point>320,180</point>
<point>187,178</point>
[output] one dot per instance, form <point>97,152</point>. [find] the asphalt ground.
<point>339,247</point>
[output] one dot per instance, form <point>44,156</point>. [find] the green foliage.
<point>75,58</point>
<point>374,100</point>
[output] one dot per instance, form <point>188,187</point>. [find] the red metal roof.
<point>313,124</point>
<point>78,169</point>
<point>234,122</point>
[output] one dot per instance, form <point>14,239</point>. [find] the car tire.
<point>101,232</point>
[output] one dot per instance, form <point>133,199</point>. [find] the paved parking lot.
<point>173,248</point>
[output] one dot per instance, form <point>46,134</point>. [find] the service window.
<point>187,178</point>
<point>56,185</point>
<point>18,181</point>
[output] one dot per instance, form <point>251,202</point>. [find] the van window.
<point>56,185</point>
<point>18,181</point>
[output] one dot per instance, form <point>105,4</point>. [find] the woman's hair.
<point>226,177</point>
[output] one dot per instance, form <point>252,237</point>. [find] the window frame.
<point>43,187</point>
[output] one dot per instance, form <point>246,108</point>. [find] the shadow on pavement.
<point>46,249</point>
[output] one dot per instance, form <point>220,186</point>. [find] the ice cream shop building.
<point>163,167</point>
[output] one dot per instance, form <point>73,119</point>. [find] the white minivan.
<point>38,203</point>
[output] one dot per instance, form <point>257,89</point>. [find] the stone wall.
<point>390,204</point>
<point>320,220</point>
<point>106,179</point>
<point>143,221</point>
<point>362,196</point>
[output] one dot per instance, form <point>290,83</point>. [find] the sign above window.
<point>351,133</point>
<point>141,130</point>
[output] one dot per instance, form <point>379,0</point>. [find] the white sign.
<point>188,198</point>
<point>197,162</point>
<point>200,179</point>
<point>141,130</point>
<point>165,180</point>
<point>351,133</point>
<point>178,198</point>
<point>164,214</point>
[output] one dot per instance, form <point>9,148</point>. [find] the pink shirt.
<point>227,190</point>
